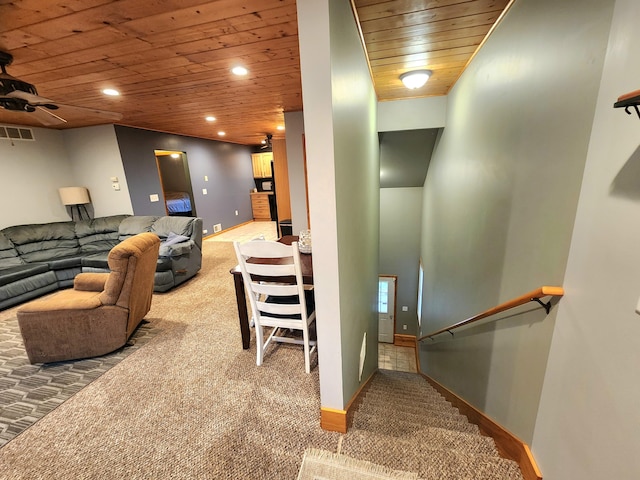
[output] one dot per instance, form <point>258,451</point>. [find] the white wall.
<point>343,175</point>
<point>95,157</point>
<point>412,114</point>
<point>294,124</point>
<point>32,172</point>
<point>588,425</point>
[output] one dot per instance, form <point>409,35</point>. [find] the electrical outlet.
<point>404,327</point>
<point>217,227</point>
<point>405,308</point>
<point>206,178</point>
<point>115,186</point>
<point>204,191</point>
<point>204,232</point>
<point>236,213</point>
<point>154,197</point>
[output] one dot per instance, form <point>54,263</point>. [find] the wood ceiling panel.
<point>171,59</point>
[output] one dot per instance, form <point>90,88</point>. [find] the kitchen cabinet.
<point>262,164</point>
<point>260,205</point>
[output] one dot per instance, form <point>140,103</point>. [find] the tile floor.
<point>390,357</point>
<point>393,357</point>
<point>247,232</point>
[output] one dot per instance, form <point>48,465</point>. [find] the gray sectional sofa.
<point>39,258</point>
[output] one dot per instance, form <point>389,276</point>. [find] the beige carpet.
<point>191,404</point>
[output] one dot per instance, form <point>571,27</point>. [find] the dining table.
<point>306,265</point>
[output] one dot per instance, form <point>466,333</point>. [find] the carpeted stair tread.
<point>410,409</point>
<point>389,389</point>
<point>411,413</point>
<point>397,401</point>
<point>436,464</point>
<point>376,423</point>
<point>432,438</point>
<point>419,385</point>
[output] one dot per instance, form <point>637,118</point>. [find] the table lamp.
<point>76,198</point>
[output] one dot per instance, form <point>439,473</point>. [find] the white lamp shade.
<point>416,78</point>
<point>74,195</point>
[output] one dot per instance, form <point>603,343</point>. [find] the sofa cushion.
<point>134,225</point>
<point>8,254</point>
<point>65,262</point>
<point>96,260</point>
<point>164,226</point>
<point>44,242</point>
<point>18,272</point>
<point>99,234</point>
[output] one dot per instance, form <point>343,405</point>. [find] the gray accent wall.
<point>500,201</point>
<point>343,167</point>
<point>400,231</point>
<point>227,167</point>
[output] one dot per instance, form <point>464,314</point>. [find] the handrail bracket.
<point>546,306</point>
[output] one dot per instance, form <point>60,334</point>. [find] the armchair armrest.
<point>90,282</point>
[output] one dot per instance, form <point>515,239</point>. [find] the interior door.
<point>386,309</point>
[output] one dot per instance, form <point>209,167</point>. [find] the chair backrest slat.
<point>267,270</point>
<point>287,309</point>
<point>272,289</point>
<point>275,260</point>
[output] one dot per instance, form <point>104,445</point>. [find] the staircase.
<point>404,424</point>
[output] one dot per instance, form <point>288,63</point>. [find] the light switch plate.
<point>204,191</point>
<point>154,197</point>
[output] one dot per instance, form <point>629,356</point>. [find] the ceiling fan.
<point>266,143</point>
<point>21,96</point>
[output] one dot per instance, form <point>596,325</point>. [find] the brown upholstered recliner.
<point>100,313</point>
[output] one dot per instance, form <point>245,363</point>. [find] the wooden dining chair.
<point>273,281</point>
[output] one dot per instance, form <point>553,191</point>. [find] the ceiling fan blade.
<point>28,97</point>
<point>101,113</point>
<point>46,117</point>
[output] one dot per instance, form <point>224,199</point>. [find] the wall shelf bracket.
<point>546,306</point>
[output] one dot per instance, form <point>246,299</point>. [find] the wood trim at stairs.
<point>335,420</point>
<point>509,446</point>
<point>404,340</point>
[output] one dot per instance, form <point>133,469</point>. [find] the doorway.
<point>175,180</point>
<point>386,308</point>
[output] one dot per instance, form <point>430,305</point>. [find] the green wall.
<point>500,200</point>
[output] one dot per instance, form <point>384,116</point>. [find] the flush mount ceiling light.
<point>210,119</point>
<point>239,70</point>
<point>221,134</point>
<point>111,92</point>
<point>415,78</point>
<point>280,127</point>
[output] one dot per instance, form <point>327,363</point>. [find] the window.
<point>383,296</point>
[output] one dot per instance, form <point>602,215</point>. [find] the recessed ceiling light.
<point>111,92</point>
<point>280,127</point>
<point>239,70</point>
<point>222,134</point>
<point>416,78</point>
<point>210,119</point>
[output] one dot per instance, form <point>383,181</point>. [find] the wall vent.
<point>16,133</point>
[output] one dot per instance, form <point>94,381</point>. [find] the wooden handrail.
<point>533,296</point>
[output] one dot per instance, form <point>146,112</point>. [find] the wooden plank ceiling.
<point>171,59</point>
